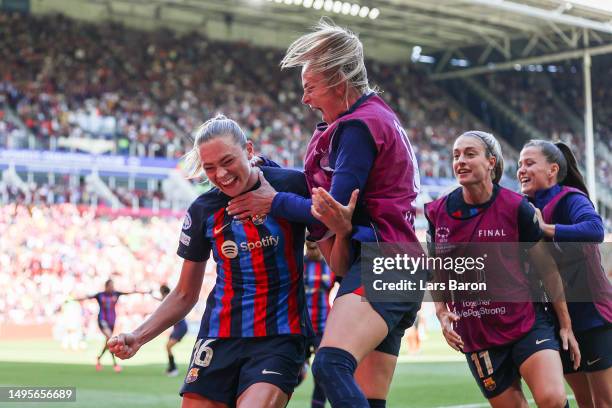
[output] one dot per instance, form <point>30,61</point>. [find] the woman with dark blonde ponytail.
<point>549,176</point>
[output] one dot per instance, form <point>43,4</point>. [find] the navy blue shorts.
<point>595,351</point>
<point>222,369</point>
<point>104,325</point>
<point>179,330</point>
<point>497,368</point>
<point>399,316</point>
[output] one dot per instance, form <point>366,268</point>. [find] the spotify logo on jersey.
<point>229,249</point>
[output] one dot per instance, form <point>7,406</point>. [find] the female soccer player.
<point>360,145</point>
<point>502,341</point>
<point>251,344</point>
<point>549,176</point>
<point>107,301</point>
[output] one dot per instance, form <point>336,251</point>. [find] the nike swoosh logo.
<point>218,230</point>
<point>264,371</point>
<point>590,363</point>
<point>541,341</point>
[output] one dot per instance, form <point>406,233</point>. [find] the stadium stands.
<point>106,89</point>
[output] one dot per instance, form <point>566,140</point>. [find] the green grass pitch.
<point>437,377</point>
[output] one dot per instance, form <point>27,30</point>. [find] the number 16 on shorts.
<point>202,353</point>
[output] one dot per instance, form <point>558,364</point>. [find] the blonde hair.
<point>492,149</point>
<point>218,126</point>
<point>333,51</point>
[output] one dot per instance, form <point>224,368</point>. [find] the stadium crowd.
<point>50,254</point>
<point>147,91</point>
<point>538,96</point>
<point>61,191</point>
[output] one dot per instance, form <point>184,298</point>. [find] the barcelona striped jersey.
<point>318,280</point>
<point>259,290</point>
<point>107,302</point>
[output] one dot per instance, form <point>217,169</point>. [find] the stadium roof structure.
<point>457,37</point>
<point>464,32</point>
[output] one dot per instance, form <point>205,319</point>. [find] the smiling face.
<point>320,96</point>
<point>470,163</point>
<point>534,171</point>
<point>227,166</point>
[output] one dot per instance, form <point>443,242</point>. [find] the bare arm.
<point>336,251</point>
<point>447,320</point>
<point>549,273</point>
<point>139,292</point>
<point>81,299</point>
<point>175,307</point>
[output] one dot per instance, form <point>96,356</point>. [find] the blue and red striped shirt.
<point>107,303</point>
<point>259,290</point>
<point>318,281</point>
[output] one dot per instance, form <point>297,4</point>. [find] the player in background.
<point>506,340</point>
<point>107,301</point>
<point>318,282</point>
<point>550,177</point>
<point>178,332</point>
<point>361,145</point>
<point>251,344</point>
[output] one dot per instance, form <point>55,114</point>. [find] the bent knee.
<point>550,398</point>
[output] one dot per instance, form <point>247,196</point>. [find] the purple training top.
<point>488,324</point>
<point>393,182</point>
<point>586,254</point>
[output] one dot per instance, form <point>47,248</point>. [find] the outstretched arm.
<point>349,174</point>
<point>81,299</point>
<point>139,292</point>
<point>585,223</point>
<point>175,307</point>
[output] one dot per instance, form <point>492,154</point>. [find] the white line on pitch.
<point>486,404</point>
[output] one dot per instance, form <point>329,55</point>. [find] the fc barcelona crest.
<point>489,384</point>
<point>192,375</point>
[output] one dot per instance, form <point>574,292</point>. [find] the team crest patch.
<point>259,219</point>
<point>187,222</point>
<point>192,375</point>
<point>489,384</point>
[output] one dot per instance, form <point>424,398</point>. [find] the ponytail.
<point>573,177</point>
<point>562,155</point>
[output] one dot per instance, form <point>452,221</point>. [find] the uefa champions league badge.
<point>442,234</point>
<point>192,375</point>
<point>187,222</point>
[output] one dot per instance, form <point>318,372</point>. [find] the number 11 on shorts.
<point>485,356</point>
